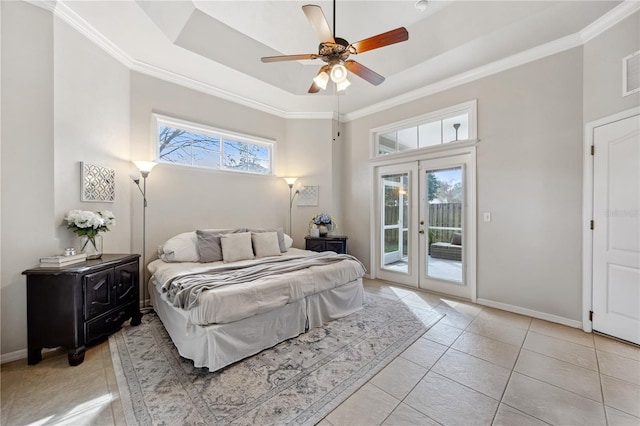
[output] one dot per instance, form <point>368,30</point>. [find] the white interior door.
<point>616,234</point>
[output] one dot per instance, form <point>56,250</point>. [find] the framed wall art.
<point>308,196</point>
<point>98,184</point>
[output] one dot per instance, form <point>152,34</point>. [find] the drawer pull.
<point>116,318</point>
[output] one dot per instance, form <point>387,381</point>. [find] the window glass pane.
<point>203,149</point>
<point>408,139</point>
<point>449,131</point>
<point>430,134</point>
<point>387,143</point>
<point>391,242</point>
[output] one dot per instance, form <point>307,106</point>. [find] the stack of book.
<point>62,260</point>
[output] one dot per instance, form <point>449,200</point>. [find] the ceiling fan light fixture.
<point>421,5</point>
<point>342,85</point>
<point>321,80</point>
<point>338,73</point>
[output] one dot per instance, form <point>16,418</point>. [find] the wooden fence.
<point>444,215</point>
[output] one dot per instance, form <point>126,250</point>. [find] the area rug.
<point>298,381</point>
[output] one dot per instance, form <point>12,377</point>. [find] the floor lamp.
<point>290,181</point>
<point>144,167</point>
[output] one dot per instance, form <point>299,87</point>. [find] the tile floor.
<point>476,366</point>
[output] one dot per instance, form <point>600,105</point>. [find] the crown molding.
<point>602,24</point>
<point>609,19</point>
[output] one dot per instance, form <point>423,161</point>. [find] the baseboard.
<point>530,312</point>
<point>21,354</point>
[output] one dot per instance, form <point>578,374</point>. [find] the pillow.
<point>288,241</point>
<point>456,239</point>
<point>181,248</point>
<point>265,244</point>
<point>208,244</point>
<point>236,247</point>
<point>279,231</point>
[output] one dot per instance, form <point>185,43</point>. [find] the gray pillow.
<point>456,239</point>
<point>279,231</point>
<point>209,245</point>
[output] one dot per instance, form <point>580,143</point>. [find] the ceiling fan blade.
<point>380,40</point>
<point>318,22</point>
<point>314,87</point>
<point>289,57</point>
<point>366,73</point>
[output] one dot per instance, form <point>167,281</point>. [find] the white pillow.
<point>236,247</point>
<point>288,241</point>
<point>181,248</point>
<point>265,244</point>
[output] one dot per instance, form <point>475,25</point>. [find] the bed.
<point>221,302</point>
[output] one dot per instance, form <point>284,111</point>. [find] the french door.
<point>424,227</point>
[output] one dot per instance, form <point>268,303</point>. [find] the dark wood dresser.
<point>337,243</point>
<point>71,306</point>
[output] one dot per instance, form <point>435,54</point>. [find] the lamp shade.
<point>145,166</point>
<point>342,85</point>
<point>290,180</point>
<point>321,80</point>
<point>338,73</point>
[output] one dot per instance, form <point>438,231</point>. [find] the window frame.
<point>224,135</point>
<point>469,107</point>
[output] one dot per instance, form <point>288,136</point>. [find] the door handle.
<point>421,231</point>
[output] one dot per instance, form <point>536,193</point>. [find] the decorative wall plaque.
<point>98,183</point>
<point>308,196</point>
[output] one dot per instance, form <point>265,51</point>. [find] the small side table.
<point>337,243</point>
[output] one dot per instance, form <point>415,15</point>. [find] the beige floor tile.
<point>565,375</point>
<point>462,306</point>
<point>443,333</point>
<point>404,415</point>
<point>505,318</point>
<point>626,350</point>
<point>622,368</point>
<point>424,352</point>
<point>508,416</point>
<point>560,331</point>
<point>494,351</point>
<point>451,403</point>
<point>453,317</point>
<point>495,330</point>
<point>552,404</point>
<point>367,406</point>
<point>380,289</point>
<point>479,375</point>
<point>324,422</point>
<point>563,350</point>
<point>621,395</point>
<point>399,377</point>
<point>619,418</point>
<point>421,299</point>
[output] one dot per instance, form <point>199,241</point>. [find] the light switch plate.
<point>487,216</point>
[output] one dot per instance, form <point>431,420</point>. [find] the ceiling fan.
<point>335,52</point>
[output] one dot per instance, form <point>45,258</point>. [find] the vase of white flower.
<point>88,225</point>
<point>91,246</point>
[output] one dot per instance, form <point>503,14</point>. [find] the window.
<point>190,144</point>
<point>451,124</point>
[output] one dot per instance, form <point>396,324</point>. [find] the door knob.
<point>421,231</point>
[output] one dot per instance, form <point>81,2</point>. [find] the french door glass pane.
<point>395,220</point>
<point>444,217</point>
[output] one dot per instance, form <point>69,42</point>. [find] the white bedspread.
<point>238,301</point>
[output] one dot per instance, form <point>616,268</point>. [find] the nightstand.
<point>72,306</point>
<point>337,243</point>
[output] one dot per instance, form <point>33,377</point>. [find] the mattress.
<point>235,302</point>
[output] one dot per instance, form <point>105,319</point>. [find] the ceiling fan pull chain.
<point>334,18</point>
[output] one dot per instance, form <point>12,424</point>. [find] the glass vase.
<point>91,246</point>
<point>323,230</point>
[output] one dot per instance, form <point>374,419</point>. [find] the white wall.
<point>529,177</point>
<point>63,101</point>
<point>603,69</point>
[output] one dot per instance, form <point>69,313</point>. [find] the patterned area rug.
<point>298,381</point>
